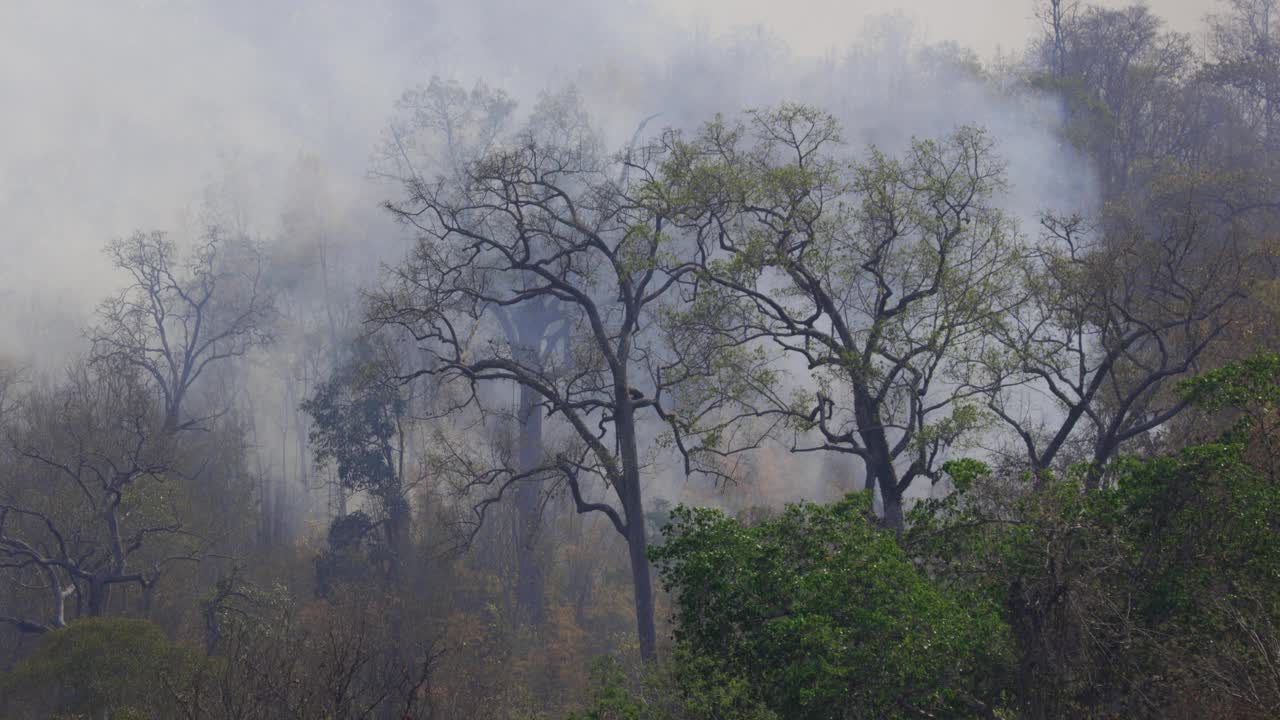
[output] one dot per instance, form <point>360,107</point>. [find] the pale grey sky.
<point>124,115</point>
<point>812,27</point>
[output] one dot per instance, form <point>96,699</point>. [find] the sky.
<point>815,27</point>
<point>134,114</point>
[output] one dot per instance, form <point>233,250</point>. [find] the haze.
<point>639,359</point>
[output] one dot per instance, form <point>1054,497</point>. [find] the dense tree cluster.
<point>1057,437</point>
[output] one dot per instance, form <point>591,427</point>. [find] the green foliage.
<point>965,472</point>
<point>819,614</point>
<point>356,415</point>
<point>683,687</point>
<point>611,698</point>
<point>1089,118</point>
<point>355,554</point>
<point>1156,592</point>
<point>1252,381</point>
<point>357,425</point>
<point>125,666</point>
<point>881,274</point>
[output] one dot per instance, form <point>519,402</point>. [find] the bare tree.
<point>442,128</point>
<point>1121,76</point>
<point>1116,314</point>
<point>529,335</point>
<point>1056,16</point>
<point>81,509</point>
<point>1245,57</point>
<point>174,318</point>
<point>341,660</point>
<point>10,383</point>
<point>545,219</point>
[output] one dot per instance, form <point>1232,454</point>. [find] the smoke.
<point>263,117</point>
<point>127,115</point>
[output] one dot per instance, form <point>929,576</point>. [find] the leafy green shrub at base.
<point>818,614</point>
<point>682,687</point>
<point>1155,594</point>
<point>117,668</point>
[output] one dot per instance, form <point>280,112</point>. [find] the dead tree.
<point>176,318</point>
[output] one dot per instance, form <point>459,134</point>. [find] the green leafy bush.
<point>99,667</point>
<point>819,614</point>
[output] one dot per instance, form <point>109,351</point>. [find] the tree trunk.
<point>633,505</point>
<point>279,511</point>
<point>646,631</point>
<point>266,497</point>
<point>1102,452</point>
<point>891,498</point>
<point>881,474</point>
<point>148,600</point>
<point>99,595</point>
<point>397,533</point>
<point>530,576</point>
<point>878,459</point>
